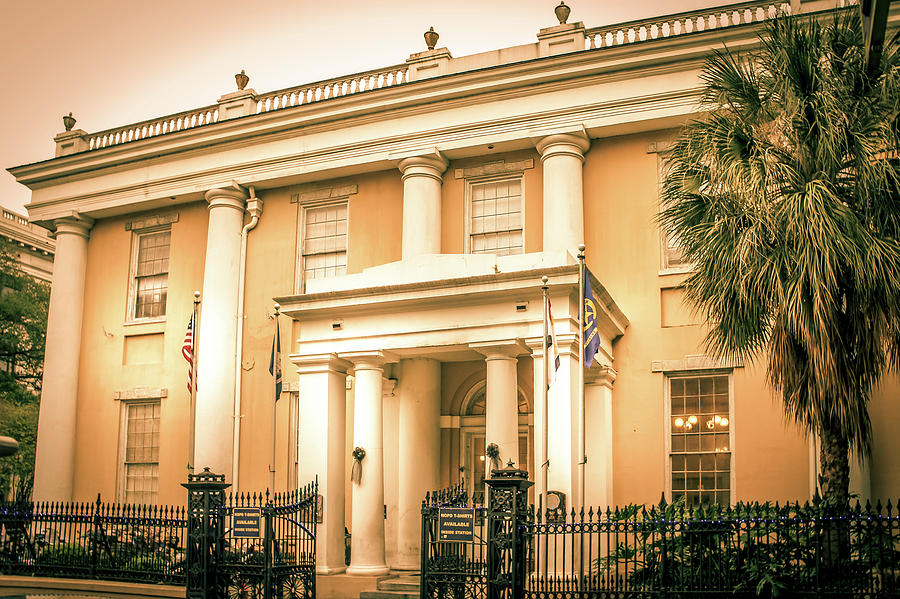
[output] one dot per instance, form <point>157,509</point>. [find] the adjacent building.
<point>402,219</point>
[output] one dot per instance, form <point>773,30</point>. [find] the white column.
<point>502,397</point>
<point>321,432</point>
<point>537,347</point>
<point>562,421</point>
<point>391,408</point>
<point>422,178</point>
<point>419,464</point>
<point>562,158</point>
<point>367,528</point>
<point>217,342</point>
<point>54,467</point>
<point>599,443</point>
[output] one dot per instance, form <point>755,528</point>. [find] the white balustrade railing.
<point>332,88</point>
<point>599,37</point>
<point>685,22</point>
<point>154,127</point>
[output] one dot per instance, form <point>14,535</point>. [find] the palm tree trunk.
<point>834,481</point>
<point>834,465</point>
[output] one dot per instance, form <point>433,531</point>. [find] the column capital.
<point>369,360</point>
<point>75,224</point>
<point>430,165</point>
<point>319,363</point>
<point>573,144</point>
<point>230,197</point>
<point>604,376</point>
<point>499,350</point>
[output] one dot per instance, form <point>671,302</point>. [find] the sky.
<point>115,62</point>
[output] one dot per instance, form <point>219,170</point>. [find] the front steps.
<point>405,586</point>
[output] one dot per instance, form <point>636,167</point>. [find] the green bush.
<point>64,553</point>
<point>146,563</point>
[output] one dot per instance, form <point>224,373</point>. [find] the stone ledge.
<point>108,588</point>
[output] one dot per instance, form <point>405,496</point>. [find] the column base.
<point>327,570</point>
<point>367,570</point>
<point>405,567</point>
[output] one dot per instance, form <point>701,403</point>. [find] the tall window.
<point>700,428</point>
<point>141,455</point>
<point>150,275</point>
<point>495,217</point>
<point>672,256</point>
<point>324,245</point>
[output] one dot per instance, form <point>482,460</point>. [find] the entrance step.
<point>398,587</point>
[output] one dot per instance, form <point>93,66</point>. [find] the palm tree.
<point>785,196</point>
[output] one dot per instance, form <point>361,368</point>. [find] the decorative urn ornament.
<point>69,121</point>
<point>431,38</point>
<point>241,79</point>
<point>562,12</point>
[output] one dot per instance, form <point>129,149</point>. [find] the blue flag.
<point>591,335</point>
<point>275,360</point>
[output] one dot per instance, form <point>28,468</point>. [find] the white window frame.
<point>123,443</point>
<point>668,424</point>
<point>300,282</point>
<point>470,183</point>
<point>664,248</point>
<point>130,316</point>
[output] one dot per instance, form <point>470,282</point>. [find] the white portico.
<point>473,308</point>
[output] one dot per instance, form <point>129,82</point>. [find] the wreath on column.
<point>492,452</point>
<point>356,471</point>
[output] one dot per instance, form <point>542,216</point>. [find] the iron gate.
<point>250,546</point>
<point>270,545</point>
<point>453,569</point>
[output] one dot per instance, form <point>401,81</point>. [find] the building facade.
<point>402,219</point>
<point>33,245</point>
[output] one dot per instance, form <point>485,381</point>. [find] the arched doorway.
<point>472,428</point>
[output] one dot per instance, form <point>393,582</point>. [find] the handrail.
<point>334,87</point>
<point>718,17</point>
<point>665,26</point>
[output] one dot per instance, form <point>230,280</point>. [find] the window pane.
<point>141,452</point>
<point>701,441</point>
<point>495,224</point>
<point>151,277</point>
<point>325,242</point>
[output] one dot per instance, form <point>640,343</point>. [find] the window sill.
<point>676,270</point>
<point>142,327</point>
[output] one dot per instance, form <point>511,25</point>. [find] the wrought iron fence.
<point>793,550</point>
<point>270,544</point>
<point>453,569</point>
<point>93,540</point>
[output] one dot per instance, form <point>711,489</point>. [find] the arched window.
<point>475,406</point>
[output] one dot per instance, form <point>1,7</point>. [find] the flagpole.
<point>193,422</point>
<point>581,456</point>
<point>545,425</point>
<point>274,411</point>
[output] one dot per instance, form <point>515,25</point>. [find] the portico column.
<point>419,466</point>
<point>367,528</point>
<point>54,468</point>
<point>321,436</point>
<point>422,178</point>
<point>599,444</point>
<point>501,397</point>
<point>562,158</point>
<point>217,341</point>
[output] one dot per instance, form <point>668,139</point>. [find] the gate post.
<point>507,519</point>
<point>205,535</point>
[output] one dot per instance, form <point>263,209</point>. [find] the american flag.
<point>187,350</point>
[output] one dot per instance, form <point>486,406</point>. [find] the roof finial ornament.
<point>241,79</point>
<point>562,12</point>
<point>431,38</point>
<point>69,121</point>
